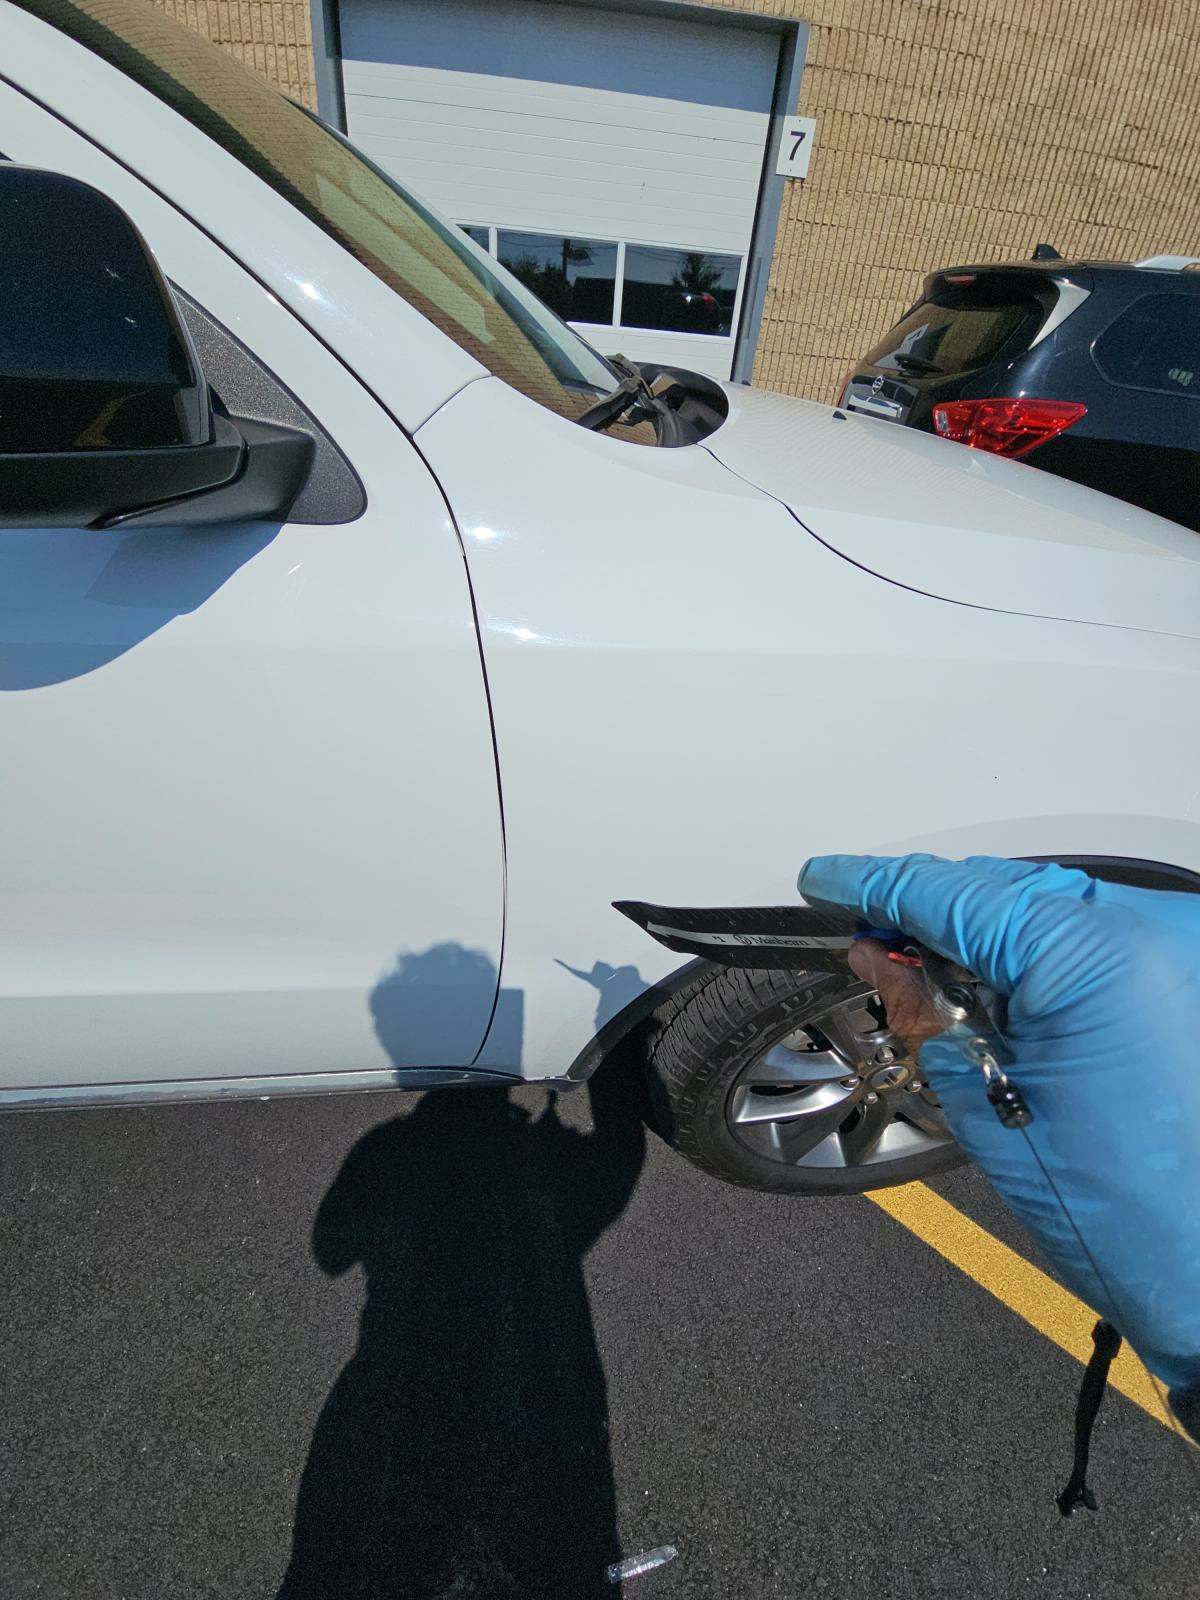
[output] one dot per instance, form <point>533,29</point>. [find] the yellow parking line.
<point>1018,1284</point>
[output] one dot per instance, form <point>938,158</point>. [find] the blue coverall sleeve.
<point>1103,987</point>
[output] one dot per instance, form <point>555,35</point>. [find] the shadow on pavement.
<point>464,1449</point>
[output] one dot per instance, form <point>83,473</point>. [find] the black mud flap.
<point>792,938</point>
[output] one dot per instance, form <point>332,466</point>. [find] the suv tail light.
<point>1005,427</point>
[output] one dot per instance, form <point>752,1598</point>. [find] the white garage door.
<point>612,160</point>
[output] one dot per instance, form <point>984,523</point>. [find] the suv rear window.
<point>957,330</point>
<point>1154,344</point>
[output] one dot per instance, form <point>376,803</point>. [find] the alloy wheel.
<point>838,1091</point>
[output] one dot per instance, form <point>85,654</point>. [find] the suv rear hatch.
<point>967,320</point>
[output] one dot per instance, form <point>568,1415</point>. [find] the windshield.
<point>431,264</point>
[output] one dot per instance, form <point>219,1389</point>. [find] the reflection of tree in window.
<point>699,279</point>
<point>697,274</point>
<point>682,291</point>
<point>550,281</point>
<point>575,277</point>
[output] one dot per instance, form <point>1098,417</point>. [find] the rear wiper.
<point>633,390</point>
<point>908,363</point>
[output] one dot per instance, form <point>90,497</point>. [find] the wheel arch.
<point>659,1003</point>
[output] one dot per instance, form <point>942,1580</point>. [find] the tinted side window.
<point>956,330</point>
<point>1154,344</point>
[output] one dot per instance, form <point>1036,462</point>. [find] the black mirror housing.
<point>96,488</point>
<point>105,415</point>
<point>93,354</point>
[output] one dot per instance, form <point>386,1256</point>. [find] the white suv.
<point>364,634</point>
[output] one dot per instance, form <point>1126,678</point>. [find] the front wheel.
<point>790,1081</point>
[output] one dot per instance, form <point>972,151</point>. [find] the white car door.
<point>250,809</point>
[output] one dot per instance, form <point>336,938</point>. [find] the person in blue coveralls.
<point>1100,984</point>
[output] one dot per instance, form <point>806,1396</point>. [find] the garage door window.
<point>575,277</point>
<point>679,291</point>
<point>617,284</point>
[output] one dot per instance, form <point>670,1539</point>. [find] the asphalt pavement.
<point>479,1347</point>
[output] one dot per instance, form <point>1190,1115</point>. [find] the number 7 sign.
<point>795,147</point>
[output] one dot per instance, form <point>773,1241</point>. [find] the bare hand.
<point>910,1015</point>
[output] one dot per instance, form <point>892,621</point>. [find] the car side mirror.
<point>105,415</point>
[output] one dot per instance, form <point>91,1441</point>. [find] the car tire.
<point>789,1082</point>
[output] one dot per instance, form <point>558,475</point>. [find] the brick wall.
<point>959,130</point>
<point>947,130</point>
<point>272,36</point>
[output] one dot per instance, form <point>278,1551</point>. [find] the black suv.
<point>1090,369</point>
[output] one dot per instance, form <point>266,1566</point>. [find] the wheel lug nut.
<point>884,1056</point>
<point>915,1086</point>
<point>850,1083</point>
<point>872,1099</point>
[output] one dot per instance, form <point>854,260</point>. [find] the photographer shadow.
<point>464,1449</point>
